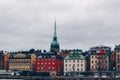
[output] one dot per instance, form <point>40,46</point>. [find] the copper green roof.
<point>75,54</point>
<point>117,47</point>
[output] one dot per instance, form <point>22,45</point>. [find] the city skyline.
<point>80,24</point>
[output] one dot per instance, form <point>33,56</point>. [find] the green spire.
<point>55,34</point>
<point>54,45</point>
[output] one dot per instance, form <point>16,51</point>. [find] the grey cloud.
<point>81,24</point>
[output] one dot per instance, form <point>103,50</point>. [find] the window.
<point>69,60</point>
<point>77,60</point>
<point>77,69</point>
<point>69,64</point>
<point>38,68</point>
<point>96,56</point>
<point>92,66</point>
<point>81,69</point>
<point>105,61</point>
<point>48,67</point>
<point>78,65</point>
<point>118,66</point>
<point>73,60</point>
<point>81,61</point>
<point>81,65</point>
<point>118,60</point>
<point>92,61</point>
<point>106,66</point>
<point>66,61</point>
<point>53,68</point>
<point>73,65</point>
<point>66,65</point>
<point>92,56</point>
<point>53,59</point>
<point>96,61</point>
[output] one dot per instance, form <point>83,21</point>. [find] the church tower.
<point>55,44</point>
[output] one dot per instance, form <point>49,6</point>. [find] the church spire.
<point>55,33</point>
<point>55,44</point>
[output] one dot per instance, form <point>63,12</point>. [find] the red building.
<point>49,62</point>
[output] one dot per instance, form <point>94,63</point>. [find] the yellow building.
<point>21,61</point>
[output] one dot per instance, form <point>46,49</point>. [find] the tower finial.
<point>55,33</point>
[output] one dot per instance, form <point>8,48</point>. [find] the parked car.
<point>117,75</point>
<point>104,75</point>
<point>81,75</point>
<point>96,75</point>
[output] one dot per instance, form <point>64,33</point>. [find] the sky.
<point>81,24</point>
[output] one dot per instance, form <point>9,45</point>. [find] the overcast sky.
<point>81,24</point>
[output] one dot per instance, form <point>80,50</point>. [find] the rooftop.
<point>75,54</point>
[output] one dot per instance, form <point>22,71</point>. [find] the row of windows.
<point>43,68</point>
<point>47,63</point>
<point>47,56</point>
<point>99,61</point>
<point>101,66</point>
<point>99,56</point>
<point>21,60</point>
<point>73,70</point>
<point>11,67</point>
<point>19,64</point>
<point>74,61</point>
<point>74,65</point>
<point>46,59</point>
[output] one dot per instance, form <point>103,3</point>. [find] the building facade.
<point>6,59</point>
<point>49,62</point>
<point>74,63</point>
<point>1,60</point>
<point>100,58</point>
<point>113,61</point>
<point>117,55</point>
<point>23,62</point>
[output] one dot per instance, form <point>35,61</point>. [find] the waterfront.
<point>55,78</point>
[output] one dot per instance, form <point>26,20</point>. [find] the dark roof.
<point>49,55</point>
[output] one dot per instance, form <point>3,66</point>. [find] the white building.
<point>74,63</point>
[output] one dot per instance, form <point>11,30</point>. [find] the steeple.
<point>55,33</point>
<point>55,44</point>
